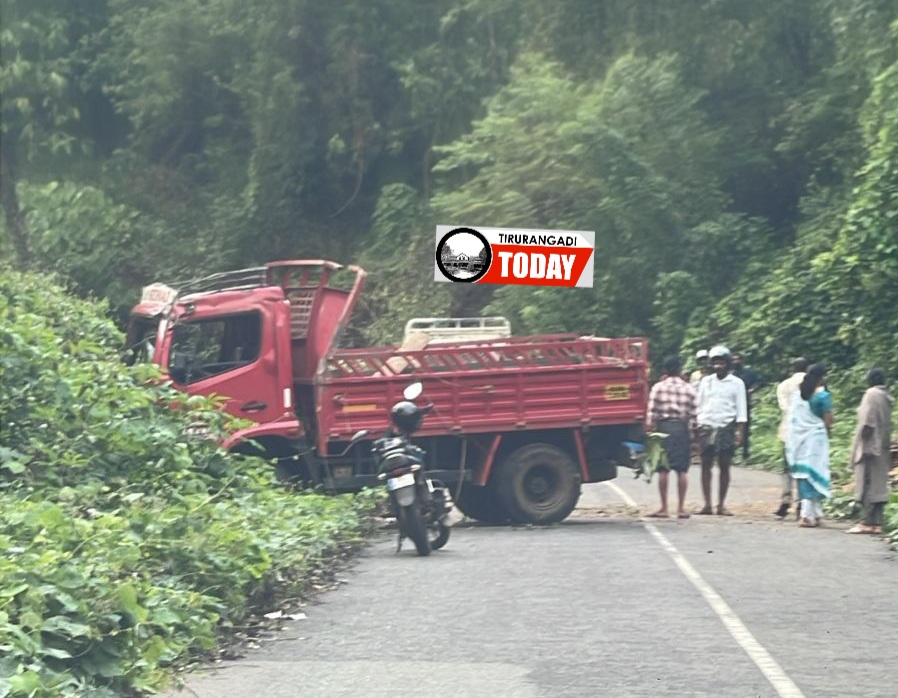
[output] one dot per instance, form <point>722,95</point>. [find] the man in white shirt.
<point>721,418</point>
<point>784,393</point>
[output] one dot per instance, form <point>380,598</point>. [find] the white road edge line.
<point>768,666</point>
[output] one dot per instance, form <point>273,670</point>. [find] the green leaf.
<point>26,683</point>
<point>61,625</point>
<point>9,592</point>
<point>127,599</point>
<point>56,653</point>
<point>103,663</point>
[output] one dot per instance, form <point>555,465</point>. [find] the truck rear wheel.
<point>481,503</point>
<point>538,484</point>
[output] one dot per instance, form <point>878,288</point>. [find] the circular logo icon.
<point>464,255</point>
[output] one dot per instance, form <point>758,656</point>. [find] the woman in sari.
<point>807,448</point>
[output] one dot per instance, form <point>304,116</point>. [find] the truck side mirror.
<point>178,366</point>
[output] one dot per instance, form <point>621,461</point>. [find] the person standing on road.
<point>785,391</point>
<point>870,456</point>
<point>807,444</point>
<point>752,380</point>
<point>702,370</point>
<point>721,418</point>
<point>672,411</point>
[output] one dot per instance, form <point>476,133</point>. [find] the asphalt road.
<point>605,604</point>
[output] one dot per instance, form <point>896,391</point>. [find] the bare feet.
<point>723,511</point>
<point>660,514</point>
<point>705,511</point>
<point>862,528</point>
<point>682,514</point>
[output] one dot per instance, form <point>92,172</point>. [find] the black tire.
<point>538,484</point>
<point>438,535</point>
<point>481,503</point>
<point>291,470</point>
<point>415,528</point>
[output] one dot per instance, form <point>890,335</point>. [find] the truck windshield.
<point>208,347</point>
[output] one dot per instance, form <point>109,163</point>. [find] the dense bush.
<point>127,544</point>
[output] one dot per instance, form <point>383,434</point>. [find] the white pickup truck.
<point>444,330</point>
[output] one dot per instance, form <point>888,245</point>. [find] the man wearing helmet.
<point>701,358</point>
<point>721,418</point>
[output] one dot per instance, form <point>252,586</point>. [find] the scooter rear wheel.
<point>439,535</point>
<point>414,527</point>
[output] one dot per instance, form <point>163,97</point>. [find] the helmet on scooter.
<point>406,416</point>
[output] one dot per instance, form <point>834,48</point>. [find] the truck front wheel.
<point>538,484</point>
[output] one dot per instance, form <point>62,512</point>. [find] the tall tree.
<point>37,109</point>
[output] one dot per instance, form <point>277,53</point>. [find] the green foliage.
<point>736,162</point>
<point>401,240</point>
<point>35,77</point>
<point>619,156</point>
<point>655,455</point>
<point>129,544</point>
<point>88,239</point>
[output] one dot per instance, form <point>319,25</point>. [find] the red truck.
<point>518,422</point>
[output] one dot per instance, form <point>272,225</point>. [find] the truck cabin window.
<point>205,348</point>
<point>141,341</point>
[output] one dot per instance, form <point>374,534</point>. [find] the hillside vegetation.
<point>738,161</point>
<point>126,546</point>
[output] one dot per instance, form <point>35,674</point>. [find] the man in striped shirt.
<point>672,405</point>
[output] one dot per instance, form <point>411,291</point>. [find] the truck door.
<point>231,354</point>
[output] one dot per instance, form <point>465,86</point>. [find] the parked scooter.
<point>423,507</point>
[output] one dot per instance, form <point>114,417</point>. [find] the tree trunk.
<point>15,221</point>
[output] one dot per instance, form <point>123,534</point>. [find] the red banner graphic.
<point>534,265</point>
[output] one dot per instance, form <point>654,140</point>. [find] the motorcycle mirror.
<point>358,436</point>
<point>412,391</point>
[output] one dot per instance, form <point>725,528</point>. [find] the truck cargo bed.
<point>537,382</point>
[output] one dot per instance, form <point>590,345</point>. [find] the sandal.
<point>659,515</point>
<point>723,511</point>
<point>805,523</point>
<point>705,511</point>
<point>683,514</point>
